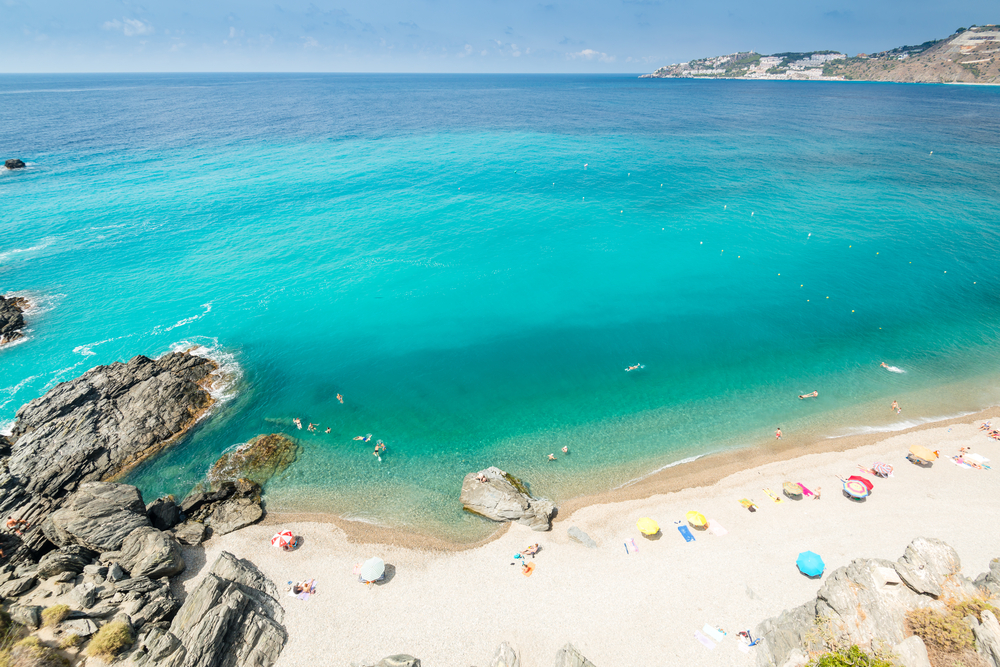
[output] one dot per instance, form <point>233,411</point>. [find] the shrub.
<point>110,640</point>
<point>852,657</point>
<point>30,652</point>
<point>948,638</point>
<point>70,640</point>
<point>55,615</point>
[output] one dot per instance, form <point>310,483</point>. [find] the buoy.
<point>725,207</point>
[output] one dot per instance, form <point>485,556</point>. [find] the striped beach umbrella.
<point>283,539</point>
<point>855,488</point>
<point>882,469</point>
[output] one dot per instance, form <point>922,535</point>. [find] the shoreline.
<point>704,471</point>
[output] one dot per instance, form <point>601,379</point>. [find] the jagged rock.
<point>987,636</point>
<point>568,656</point>
<point>99,516</point>
<point>152,553</point>
<point>27,615</point>
<point>926,565</point>
<point>231,506</point>
<point>139,584</point>
<point>784,634</point>
<point>162,607</point>
<point>191,533</point>
<point>797,658</point>
<point>17,587</point>
<point>912,652</point>
<point>230,619</point>
<point>84,596</point>
<point>26,570</point>
<point>505,657</point>
<point>400,660</point>
<point>989,582</point>
<point>11,318</point>
<point>80,626</point>
<point>257,460</point>
<point>583,538</point>
<point>234,515</point>
<point>503,497</point>
<point>163,513</point>
<point>14,163</point>
<point>115,573</point>
<point>71,558</point>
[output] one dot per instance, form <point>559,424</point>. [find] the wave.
<point>44,243</point>
<point>38,303</point>
<point>7,427</point>
<point>87,349</point>
<point>193,318</point>
<point>224,382</point>
<point>24,338</point>
<point>689,459</point>
<point>11,392</point>
<point>896,426</point>
<point>894,369</point>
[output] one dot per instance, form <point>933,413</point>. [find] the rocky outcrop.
<point>164,513</point>
<point>989,582</point>
<point>505,657</point>
<point>257,460</point>
<point>868,601</point>
<point>569,656</point>
<point>231,506</point>
<point>65,559</point>
<point>987,634</point>
<point>503,497</point>
<point>148,552</point>
<point>99,516</point>
<point>94,428</point>
<point>11,318</point>
<point>14,163</point>
<point>231,619</point>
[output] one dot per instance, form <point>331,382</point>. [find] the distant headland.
<point>967,56</point>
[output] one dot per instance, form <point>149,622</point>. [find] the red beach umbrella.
<point>283,539</point>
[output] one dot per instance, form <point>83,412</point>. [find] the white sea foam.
<point>224,382</point>
<point>896,426</point>
<point>689,459</point>
<point>87,349</point>
<point>44,243</point>
<point>193,318</point>
<point>7,427</point>
<point>894,369</point>
<point>11,392</point>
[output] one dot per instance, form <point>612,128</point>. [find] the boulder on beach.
<point>99,517</point>
<point>14,163</point>
<point>11,318</point>
<point>228,507</point>
<point>257,460</point>
<point>503,497</point>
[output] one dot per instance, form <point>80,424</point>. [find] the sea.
<point>474,262</point>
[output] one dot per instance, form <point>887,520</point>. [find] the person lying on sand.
<point>812,395</point>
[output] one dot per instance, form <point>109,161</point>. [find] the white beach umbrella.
<point>372,569</point>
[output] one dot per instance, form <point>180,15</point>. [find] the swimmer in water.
<point>884,365</point>
<point>632,368</point>
<point>895,406</point>
<point>552,457</point>
<point>565,450</point>
<point>327,430</point>
<point>340,398</point>
<point>297,422</point>
<point>368,436</point>
<point>359,437</point>
<point>812,395</point>
<point>777,434</point>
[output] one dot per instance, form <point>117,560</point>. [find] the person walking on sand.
<point>777,434</point>
<point>895,406</point>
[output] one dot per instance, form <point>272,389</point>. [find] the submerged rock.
<point>257,460</point>
<point>14,163</point>
<point>11,318</point>
<point>503,497</point>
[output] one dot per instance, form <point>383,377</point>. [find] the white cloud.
<point>483,52</point>
<point>130,27</point>
<point>590,54</point>
<point>232,32</point>
<point>310,43</point>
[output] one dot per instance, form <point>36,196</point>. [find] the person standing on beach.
<point>777,434</point>
<point>895,406</point>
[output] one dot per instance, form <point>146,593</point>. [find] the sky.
<point>475,36</point>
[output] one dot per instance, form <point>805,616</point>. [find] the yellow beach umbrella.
<point>696,519</point>
<point>922,453</point>
<point>647,526</point>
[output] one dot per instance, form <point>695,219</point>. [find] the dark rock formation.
<point>503,497</point>
<point>231,506</point>
<point>94,428</point>
<point>163,513</point>
<point>14,163</point>
<point>11,318</point>
<point>99,516</point>
<point>868,600</point>
<point>257,460</point>
<point>65,559</point>
<point>191,533</point>
<point>232,619</point>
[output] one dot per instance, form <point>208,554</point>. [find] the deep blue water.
<point>435,249</point>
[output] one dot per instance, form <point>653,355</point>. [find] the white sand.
<point>454,609</point>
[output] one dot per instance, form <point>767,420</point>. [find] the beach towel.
<point>704,640</point>
<point>805,491</point>
<point>688,537</point>
<point>714,633</point>
<point>631,541</point>
<point>715,528</point>
<point>773,496</point>
<point>746,502</point>
<point>528,569</point>
<point>743,647</point>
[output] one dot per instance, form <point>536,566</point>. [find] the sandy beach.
<point>454,607</point>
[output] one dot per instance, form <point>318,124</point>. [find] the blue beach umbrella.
<point>810,564</point>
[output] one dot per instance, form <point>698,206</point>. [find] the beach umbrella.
<point>882,469</point>
<point>859,478</point>
<point>792,490</point>
<point>283,539</point>
<point>647,526</point>
<point>696,519</point>
<point>372,569</point>
<point>922,453</point>
<point>856,488</point>
<point>810,564</point>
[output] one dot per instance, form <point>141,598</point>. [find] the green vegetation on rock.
<point>851,657</point>
<point>31,652</point>
<point>109,641</point>
<point>946,631</point>
<point>55,615</point>
<point>258,460</point>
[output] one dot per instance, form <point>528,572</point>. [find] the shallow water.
<point>434,249</point>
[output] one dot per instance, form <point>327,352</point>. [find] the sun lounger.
<point>773,496</point>
<point>704,640</point>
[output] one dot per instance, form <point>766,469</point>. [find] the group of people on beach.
<point>990,431</point>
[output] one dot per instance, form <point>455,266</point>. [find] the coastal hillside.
<point>968,56</point>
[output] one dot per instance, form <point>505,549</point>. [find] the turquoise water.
<point>434,249</point>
